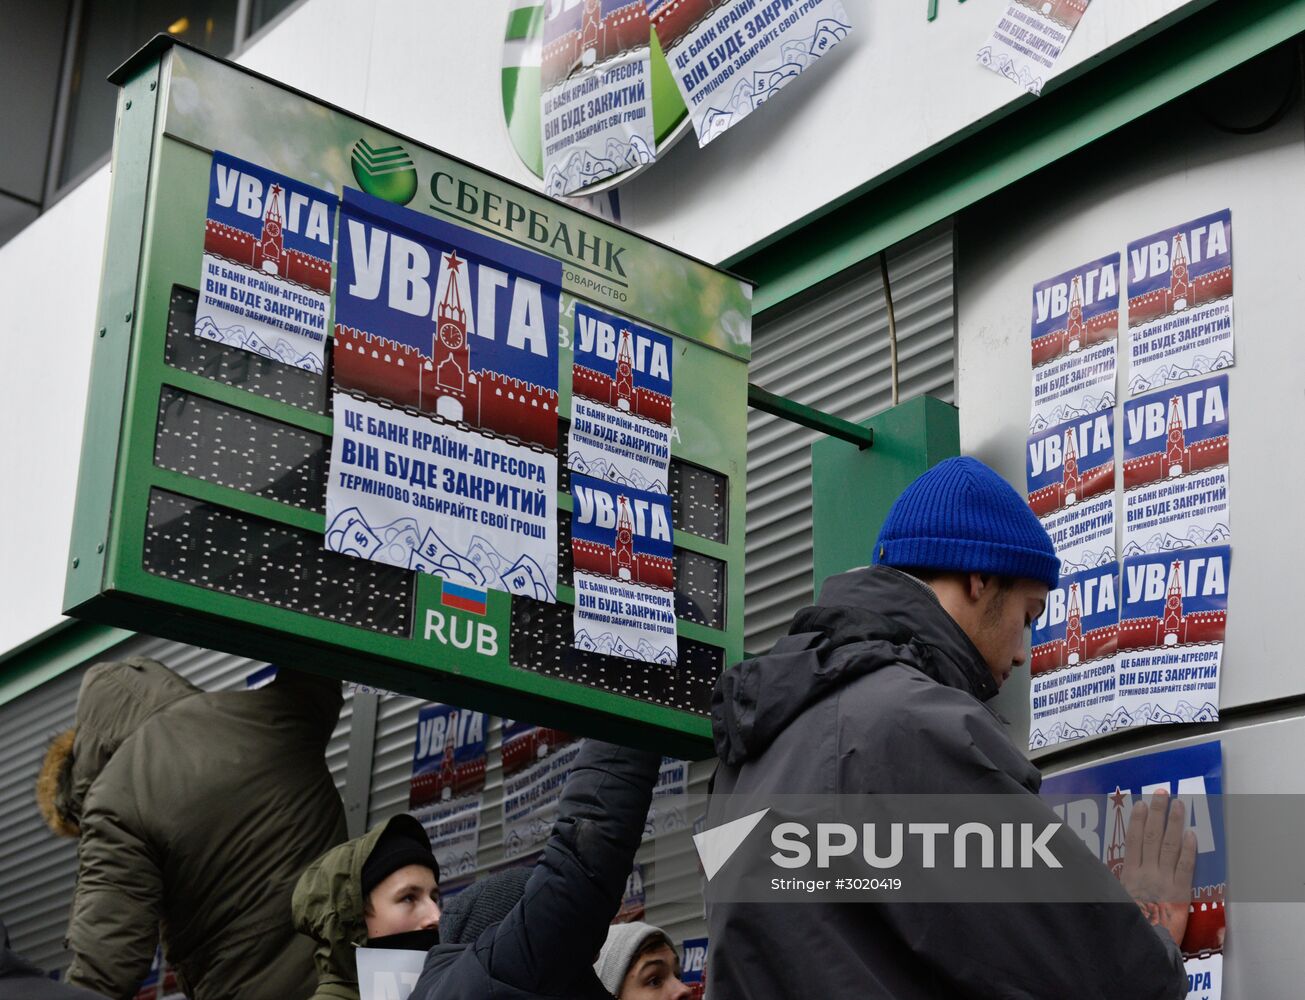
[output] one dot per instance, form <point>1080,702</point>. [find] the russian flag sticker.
<point>460,598</point>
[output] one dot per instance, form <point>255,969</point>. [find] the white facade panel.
<point>1171,168</point>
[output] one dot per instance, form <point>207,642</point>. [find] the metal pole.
<point>826,423</point>
<point>892,320</point>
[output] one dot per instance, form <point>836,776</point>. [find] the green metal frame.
<point>1080,107</point>
<point>155,241</point>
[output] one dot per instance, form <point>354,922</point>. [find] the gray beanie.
<point>623,943</point>
<point>481,905</point>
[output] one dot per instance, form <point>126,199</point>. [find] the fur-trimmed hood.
<point>115,700</point>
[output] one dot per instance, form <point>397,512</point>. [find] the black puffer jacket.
<point>878,690</point>
<point>547,944</point>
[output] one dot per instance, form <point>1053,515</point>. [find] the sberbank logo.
<point>386,172</point>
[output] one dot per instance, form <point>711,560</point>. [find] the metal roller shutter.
<point>37,869</point>
<point>829,350</point>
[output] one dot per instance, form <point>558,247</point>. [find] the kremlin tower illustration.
<point>1077,646</point>
<point>449,778</point>
<point>620,561</point>
<point>1173,627</point>
<point>1078,332</point>
<point>1073,486</point>
<point>444,382</point>
<point>1176,457</point>
<point>619,391</point>
<point>592,37</point>
<point>267,252</point>
<point>1183,292</point>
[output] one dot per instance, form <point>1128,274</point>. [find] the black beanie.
<point>482,904</point>
<point>403,842</point>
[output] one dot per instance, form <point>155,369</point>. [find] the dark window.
<point>261,12</point>
<point>109,32</point>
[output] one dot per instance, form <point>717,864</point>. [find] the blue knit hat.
<point>962,516</point>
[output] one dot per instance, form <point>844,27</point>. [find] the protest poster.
<point>633,898</point>
<point>446,792</point>
<point>693,966</point>
<point>624,578</point>
<point>729,57</point>
<point>1071,479</point>
<point>1176,468</point>
<point>449,464</point>
<point>1180,303</point>
<point>388,973</point>
<point>536,762</point>
<point>265,286</point>
<point>1072,660</point>
<point>620,401</point>
<point>595,92</point>
<point>1074,341</point>
<point>1028,39</point>
<point>1096,803</point>
<point>667,814</point>
<point>1171,631</point>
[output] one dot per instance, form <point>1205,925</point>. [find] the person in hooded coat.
<point>522,934</point>
<point>21,980</point>
<point>195,813</point>
<point>362,891</point>
<point>882,687</point>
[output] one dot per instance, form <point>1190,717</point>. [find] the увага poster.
<point>536,762</point>
<point>1071,476</point>
<point>595,92</point>
<point>694,967</point>
<point>448,781</point>
<point>1075,338</point>
<point>624,560</point>
<point>620,401</point>
<point>1176,468</point>
<point>667,812</point>
<point>1072,662</point>
<point>729,57</point>
<point>1096,803</point>
<point>266,280</point>
<point>1180,303</point>
<point>1028,39</point>
<point>1171,632</point>
<point>448,466</point>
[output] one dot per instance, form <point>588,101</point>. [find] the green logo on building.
<point>387,172</point>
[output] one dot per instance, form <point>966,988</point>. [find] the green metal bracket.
<point>826,423</point>
<point>53,652</point>
<point>851,491</point>
<point>933,9</point>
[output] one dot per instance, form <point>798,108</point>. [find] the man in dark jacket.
<point>196,812</point>
<point>519,936</point>
<point>881,688</point>
<point>21,980</point>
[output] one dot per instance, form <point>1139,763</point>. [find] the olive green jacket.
<point>328,907</point>
<point>196,811</point>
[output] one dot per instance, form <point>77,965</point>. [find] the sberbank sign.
<point>384,172</point>
<point>389,172</point>
<point>527,224</point>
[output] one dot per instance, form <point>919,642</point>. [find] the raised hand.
<point>1159,859</point>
